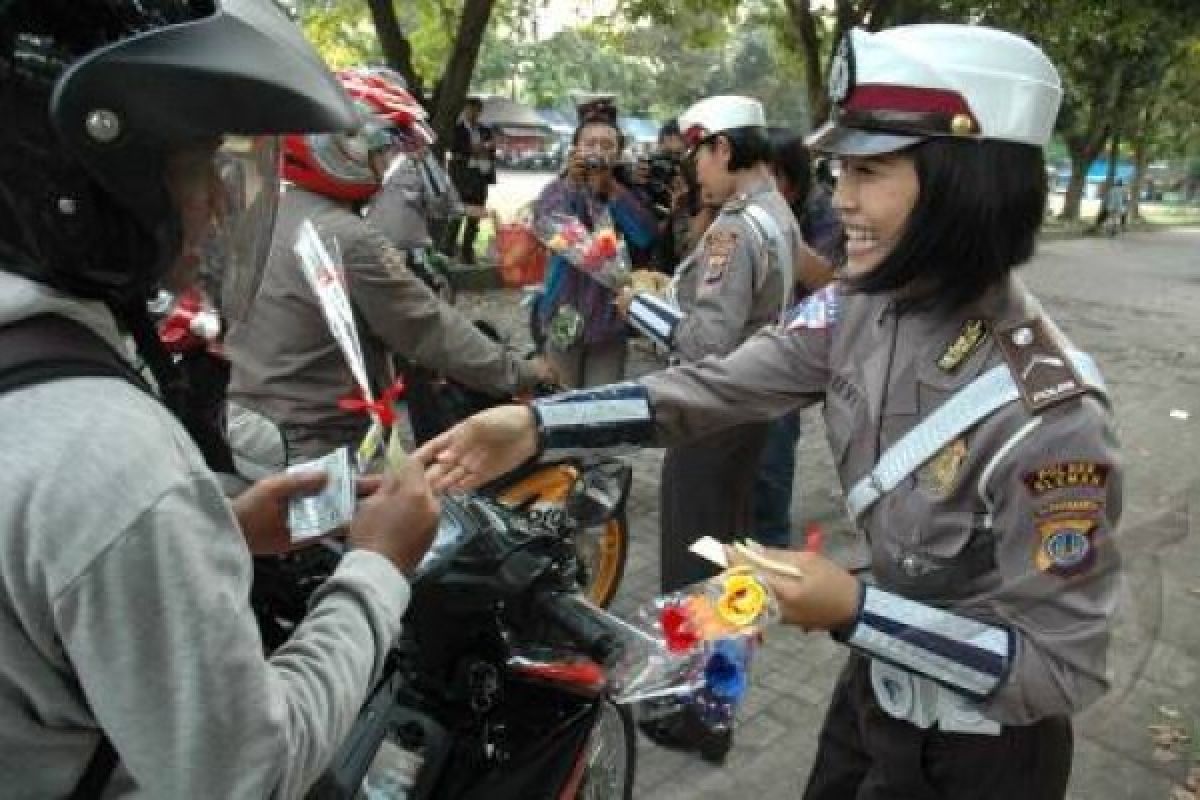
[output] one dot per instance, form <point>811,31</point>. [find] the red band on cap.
<point>881,97</point>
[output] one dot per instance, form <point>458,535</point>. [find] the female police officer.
<point>973,441</point>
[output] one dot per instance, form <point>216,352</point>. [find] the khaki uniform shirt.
<point>732,285</point>
<point>287,365</point>
<point>977,530</point>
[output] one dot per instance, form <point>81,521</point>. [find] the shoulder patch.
<point>818,311</point>
<point>1041,369</point>
<point>718,249</point>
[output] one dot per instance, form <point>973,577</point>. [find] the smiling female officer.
<point>974,442</point>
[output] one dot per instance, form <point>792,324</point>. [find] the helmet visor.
<point>234,254</point>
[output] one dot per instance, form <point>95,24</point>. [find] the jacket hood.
<point>21,298</point>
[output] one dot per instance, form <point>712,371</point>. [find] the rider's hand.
<point>826,598</point>
<point>399,520</point>
<point>480,449</point>
<point>262,510</point>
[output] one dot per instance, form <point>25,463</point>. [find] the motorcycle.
<point>499,685</point>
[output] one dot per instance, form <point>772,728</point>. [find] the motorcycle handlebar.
<point>585,624</point>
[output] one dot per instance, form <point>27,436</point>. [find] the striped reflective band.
<point>604,418</point>
<point>961,653</point>
<point>654,318</point>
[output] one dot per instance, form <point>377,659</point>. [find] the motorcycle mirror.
<point>599,493</point>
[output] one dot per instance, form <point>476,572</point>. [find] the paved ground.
<point>1134,302</point>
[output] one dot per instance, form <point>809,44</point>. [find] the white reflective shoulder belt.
<point>765,224</point>
<point>978,400</point>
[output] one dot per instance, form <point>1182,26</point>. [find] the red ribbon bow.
<point>383,409</point>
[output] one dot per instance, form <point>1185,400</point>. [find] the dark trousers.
<point>773,484</point>
<point>472,187</point>
<point>865,754</point>
<point>706,490</point>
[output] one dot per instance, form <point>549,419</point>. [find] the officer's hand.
<point>400,519</point>
<point>262,510</point>
<point>480,449</point>
<point>826,598</point>
<point>546,372</point>
<point>623,300</point>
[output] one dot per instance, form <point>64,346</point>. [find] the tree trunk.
<point>396,47</point>
<point>801,15</point>
<point>1141,160</point>
<point>1110,176</point>
<point>452,89</point>
<point>1080,162</point>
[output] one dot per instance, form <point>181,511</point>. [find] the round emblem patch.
<point>1066,546</point>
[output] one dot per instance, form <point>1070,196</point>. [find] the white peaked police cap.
<point>725,112</point>
<point>894,88</point>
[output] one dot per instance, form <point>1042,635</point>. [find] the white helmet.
<point>900,86</point>
<point>719,113</point>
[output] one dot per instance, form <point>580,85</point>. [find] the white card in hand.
<point>710,549</point>
<point>333,507</point>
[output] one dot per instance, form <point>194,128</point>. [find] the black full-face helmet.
<point>97,97</point>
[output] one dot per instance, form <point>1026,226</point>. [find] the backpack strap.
<point>50,347</point>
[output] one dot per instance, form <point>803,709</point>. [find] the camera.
<point>662,169</point>
<point>594,162</point>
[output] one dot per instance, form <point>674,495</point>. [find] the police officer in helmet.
<point>130,662</point>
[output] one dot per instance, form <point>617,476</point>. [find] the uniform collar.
<point>739,201</point>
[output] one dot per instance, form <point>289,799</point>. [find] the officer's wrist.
<point>842,633</point>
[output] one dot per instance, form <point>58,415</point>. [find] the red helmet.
<point>338,165</point>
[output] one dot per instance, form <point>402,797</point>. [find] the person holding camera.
<point>585,338</point>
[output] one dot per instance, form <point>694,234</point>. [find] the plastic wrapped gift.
<point>696,647</point>
<point>601,254</point>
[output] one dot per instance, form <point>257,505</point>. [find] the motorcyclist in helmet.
<point>130,662</point>
<point>287,364</point>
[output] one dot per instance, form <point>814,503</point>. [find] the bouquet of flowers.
<point>600,253</point>
<point>702,642</point>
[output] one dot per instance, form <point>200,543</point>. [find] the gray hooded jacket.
<point>124,585</point>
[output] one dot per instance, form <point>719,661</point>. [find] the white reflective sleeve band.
<point>654,318</point>
<point>962,654</point>
<point>979,399</point>
<point>590,420</point>
<point>986,476</point>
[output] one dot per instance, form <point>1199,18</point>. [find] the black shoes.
<point>684,730</point>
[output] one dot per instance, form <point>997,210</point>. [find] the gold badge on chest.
<point>968,339</point>
<point>940,473</point>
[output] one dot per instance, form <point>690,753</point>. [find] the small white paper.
<point>318,514</point>
<point>1179,413</point>
<point>710,549</point>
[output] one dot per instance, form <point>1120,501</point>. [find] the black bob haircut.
<point>791,159</point>
<point>979,207</point>
<point>747,147</point>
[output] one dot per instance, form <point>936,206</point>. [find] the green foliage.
<point>341,30</point>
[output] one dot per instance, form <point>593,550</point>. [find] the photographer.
<point>675,196</point>
<point>585,337</point>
